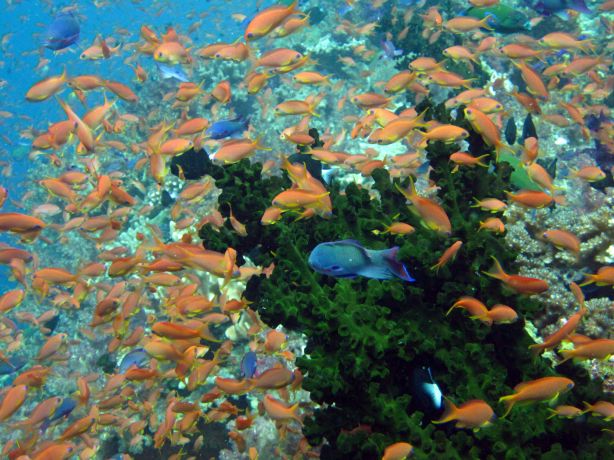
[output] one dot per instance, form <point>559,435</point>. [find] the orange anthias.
<point>433,216</point>
<point>518,283</point>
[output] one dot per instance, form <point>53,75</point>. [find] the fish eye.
<point>250,35</point>
<point>334,268</point>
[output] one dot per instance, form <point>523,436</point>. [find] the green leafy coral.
<point>365,336</point>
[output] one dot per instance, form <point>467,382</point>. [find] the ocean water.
<point>342,229</point>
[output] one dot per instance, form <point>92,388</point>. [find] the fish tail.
<point>484,22</point>
<point>449,412</point>
<point>480,157</point>
<point>587,45</point>
<point>205,334</point>
<point>509,402</point>
<point>590,278</point>
<point>536,349</point>
<point>295,415</point>
<point>587,407</point>
<point>259,146</point>
<point>567,355</point>
<point>398,268</point>
<point>498,272</point>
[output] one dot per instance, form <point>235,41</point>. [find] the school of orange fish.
<point>166,279</point>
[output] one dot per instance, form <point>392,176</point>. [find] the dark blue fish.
<point>62,32</point>
<point>226,128</point>
<point>64,410</point>
<point>558,7</point>
<point>13,365</point>
<point>137,357</point>
<point>249,363</point>
<point>349,259</point>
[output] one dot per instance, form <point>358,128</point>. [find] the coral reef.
<point>365,336</point>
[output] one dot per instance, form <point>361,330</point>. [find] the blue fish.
<point>559,7</point>
<point>249,363</point>
<point>167,71</point>
<point>137,357</point>
<point>62,32</point>
<point>226,128</point>
<point>63,410</point>
<point>349,259</point>
<point>13,364</point>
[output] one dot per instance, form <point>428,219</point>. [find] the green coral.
<point>364,335</point>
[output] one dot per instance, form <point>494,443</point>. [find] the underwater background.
<point>286,230</point>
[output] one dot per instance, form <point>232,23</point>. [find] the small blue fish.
<point>226,128</point>
<point>249,363</point>
<point>349,259</point>
<point>167,71</point>
<point>137,357</point>
<point>62,32</point>
<point>63,410</point>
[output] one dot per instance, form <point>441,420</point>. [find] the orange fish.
<point>600,349</point>
<point>518,283</point>
<point>545,388</point>
<point>46,88</point>
<point>463,24</point>
<point>398,451</point>
<point>603,277</point>
<point>12,401</point>
<point>493,224</point>
<point>235,150</point>
<point>563,239</point>
<point>498,314</point>
<point>474,414</point>
<point>473,306</point>
<point>490,204</point>
<point>486,128</point>
<point>396,228</point>
<point>448,254</point>
<point>172,52</point>
<point>433,216</point>
<point>561,334</point>
<point>267,20</point>
<point>84,133</point>
<point>565,411</point>
<point>601,408</point>
<point>277,410</point>
<point>534,199</point>
<point>466,159</point>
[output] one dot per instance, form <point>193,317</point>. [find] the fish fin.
<point>509,402</point>
<point>448,413</point>
<point>398,268</point>
<point>378,272</point>
<point>352,242</point>
<point>498,272</point>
